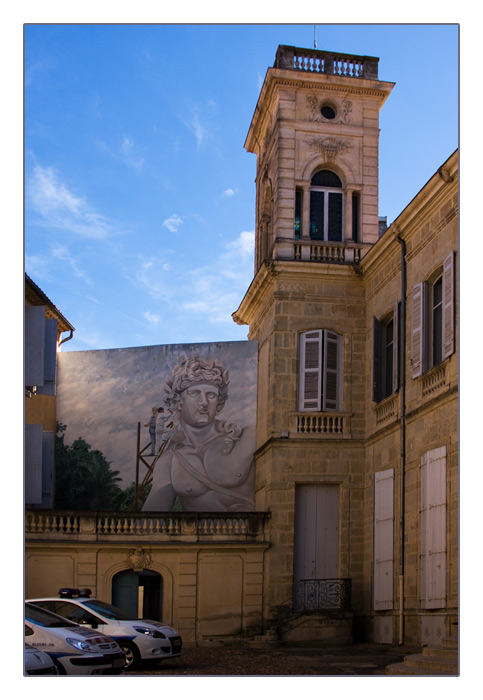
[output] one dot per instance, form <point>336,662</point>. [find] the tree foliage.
<point>84,479</point>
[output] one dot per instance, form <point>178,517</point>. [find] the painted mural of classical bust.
<point>208,463</point>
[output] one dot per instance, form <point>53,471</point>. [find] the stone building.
<point>355,528</point>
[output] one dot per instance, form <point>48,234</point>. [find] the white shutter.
<point>310,368</point>
<point>395,349</point>
<point>448,306</point>
<point>417,329</point>
<point>433,529</point>
<point>332,372</point>
<point>33,464</point>
<point>50,358</point>
<point>34,345</point>
<point>384,540</point>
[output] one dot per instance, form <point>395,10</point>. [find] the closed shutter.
<point>376,360</point>
<point>384,540</point>
<point>395,349</point>
<point>33,464</point>
<point>50,358</point>
<point>332,377</point>
<point>433,529</point>
<point>34,345</point>
<point>448,306</point>
<point>310,371</point>
<point>417,329</point>
<point>48,442</point>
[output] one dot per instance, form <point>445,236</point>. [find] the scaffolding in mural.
<point>141,456</point>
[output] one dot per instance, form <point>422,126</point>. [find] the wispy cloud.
<point>130,154</point>
<point>229,192</point>
<point>152,319</point>
<point>173,223</point>
<point>61,208</point>
<point>61,252</point>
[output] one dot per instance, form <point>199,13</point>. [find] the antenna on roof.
<point>315,36</point>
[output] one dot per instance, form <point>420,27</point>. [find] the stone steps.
<point>433,661</point>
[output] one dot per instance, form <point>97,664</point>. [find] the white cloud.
<point>173,223</point>
<point>61,252</point>
<point>152,319</point>
<point>60,208</point>
<point>229,192</point>
<point>130,157</point>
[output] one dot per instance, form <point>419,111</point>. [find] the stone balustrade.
<point>154,527</point>
<point>326,62</point>
<point>329,252</point>
<point>322,424</point>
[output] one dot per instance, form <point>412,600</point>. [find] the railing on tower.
<point>327,62</point>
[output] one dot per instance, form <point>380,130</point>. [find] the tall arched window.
<point>326,206</point>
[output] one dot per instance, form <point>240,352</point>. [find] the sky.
<point>139,194</point>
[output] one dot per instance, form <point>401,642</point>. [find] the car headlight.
<point>150,632</point>
<point>79,644</point>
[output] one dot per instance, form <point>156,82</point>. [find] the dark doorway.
<point>139,592</point>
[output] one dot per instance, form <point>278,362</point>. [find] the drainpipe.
<point>402,365</point>
<point>69,337</point>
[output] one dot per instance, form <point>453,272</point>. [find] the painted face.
<point>198,404</point>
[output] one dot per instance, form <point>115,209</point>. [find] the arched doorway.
<point>139,592</point>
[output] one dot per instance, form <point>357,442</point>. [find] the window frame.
<point>321,371</point>
<point>385,377</point>
<point>326,191</point>
<point>423,357</point>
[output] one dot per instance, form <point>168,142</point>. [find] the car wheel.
<point>132,655</point>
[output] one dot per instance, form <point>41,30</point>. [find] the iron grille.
<point>323,594</point>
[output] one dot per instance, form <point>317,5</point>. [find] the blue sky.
<point>139,195</point>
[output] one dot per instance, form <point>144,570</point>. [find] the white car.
<point>140,640</point>
<point>74,649</point>
<point>38,663</point>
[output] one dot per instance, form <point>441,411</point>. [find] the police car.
<point>140,640</point>
<point>38,663</point>
<point>74,649</point>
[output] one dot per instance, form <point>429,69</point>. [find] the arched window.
<point>326,206</point>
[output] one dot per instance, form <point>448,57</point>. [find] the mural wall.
<point>196,406</point>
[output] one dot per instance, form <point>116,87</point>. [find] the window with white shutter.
<point>34,345</point>
<point>33,464</point>
<point>432,319</point>
<point>433,529</point>
<point>384,540</point>
<point>320,371</point>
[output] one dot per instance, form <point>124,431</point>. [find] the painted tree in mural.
<point>84,479</point>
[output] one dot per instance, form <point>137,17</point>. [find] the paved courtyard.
<point>357,660</point>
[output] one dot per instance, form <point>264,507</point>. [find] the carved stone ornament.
<point>314,114</point>
<point>138,559</point>
<point>330,147</point>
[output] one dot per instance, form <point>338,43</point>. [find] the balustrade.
<point>329,63</point>
<point>329,252</point>
<point>149,526</point>
<point>326,424</point>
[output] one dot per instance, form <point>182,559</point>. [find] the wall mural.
<point>193,406</point>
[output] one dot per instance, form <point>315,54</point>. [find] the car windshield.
<point>44,618</point>
<point>109,611</point>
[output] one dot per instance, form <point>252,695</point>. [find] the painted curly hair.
<point>194,369</point>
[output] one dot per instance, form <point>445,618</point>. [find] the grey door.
<point>316,542</point>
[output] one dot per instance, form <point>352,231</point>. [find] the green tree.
<point>84,479</point>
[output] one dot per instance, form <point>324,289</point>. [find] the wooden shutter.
<point>376,359</point>
<point>448,305</point>
<point>33,464</point>
<point>332,372</point>
<point>417,329</point>
<point>395,348</point>
<point>384,540</point>
<point>310,369</point>
<point>433,529</point>
<point>34,345</point>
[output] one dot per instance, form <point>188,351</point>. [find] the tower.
<point>315,133</point>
